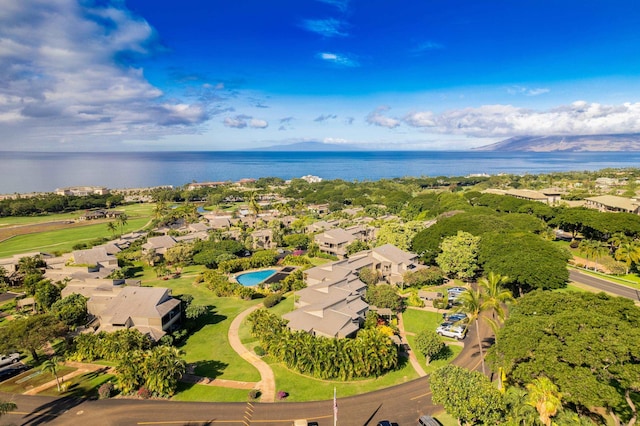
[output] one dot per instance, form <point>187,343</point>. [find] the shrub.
<point>254,394</point>
<point>259,351</point>
<point>144,393</point>
<point>272,300</point>
<point>574,244</point>
<point>440,303</point>
<point>613,266</point>
<point>104,391</point>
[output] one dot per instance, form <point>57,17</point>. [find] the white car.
<point>447,329</point>
<point>9,359</point>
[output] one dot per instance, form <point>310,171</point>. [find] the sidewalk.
<point>267,384</point>
<point>233,384</point>
<point>412,357</point>
<point>82,368</point>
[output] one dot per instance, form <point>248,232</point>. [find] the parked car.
<point>385,423</point>
<point>428,421</point>
<point>12,370</point>
<point>458,317</point>
<point>448,329</point>
<point>9,359</point>
<point>456,290</point>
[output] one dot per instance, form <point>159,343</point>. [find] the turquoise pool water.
<point>254,278</point>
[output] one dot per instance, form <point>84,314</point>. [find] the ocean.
<point>23,172</point>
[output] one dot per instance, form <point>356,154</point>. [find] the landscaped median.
<point>416,320</point>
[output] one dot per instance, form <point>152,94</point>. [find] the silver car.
<point>450,330</point>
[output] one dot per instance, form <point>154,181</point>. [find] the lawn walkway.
<point>412,357</point>
<point>267,384</point>
<point>82,368</point>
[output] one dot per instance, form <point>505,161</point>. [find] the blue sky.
<point>218,75</point>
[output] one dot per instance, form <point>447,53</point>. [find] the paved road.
<point>604,285</point>
<point>402,404</point>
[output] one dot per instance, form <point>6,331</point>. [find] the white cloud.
<point>242,121</point>
<point>520,90</point>
<point>235,122</point>
<point>325,117</point>
<point>339,59</point>
<point>258,124</point>
<point>61,80</point>
<point>342,5</point>
<point>426,46</point>
<point>377,118</point>
<point>335,140</point>
<point>325,27</point>
<point>420,119</point>
<point>578,118</point>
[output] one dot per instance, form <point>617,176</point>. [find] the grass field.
<point>192,392</point>
<point>85,385</point>
<point>62,240</point>
<point>208,347</point>
<point>31,220</point>
<point>31,379</point>
<point>305,388</point>
<point>416,320</point>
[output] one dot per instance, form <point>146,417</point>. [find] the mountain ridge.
<point>309,147</point>
<point>574,143</point>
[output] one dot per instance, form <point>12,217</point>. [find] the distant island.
<point>552,143</point>
<point>584,143</point>
<point>310,146</point>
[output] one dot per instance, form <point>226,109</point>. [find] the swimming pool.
<point>254,278</point>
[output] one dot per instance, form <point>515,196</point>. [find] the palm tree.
<point>253,203</point>
<point>544,396</point>
<point>617,240</point>
<point>6,406</point>
<point>471,304</point>
<point>586,248</point>
<point>122,221</point>
<point>494,298</point>
<point>495,295</point>
<point>111,227</point>
<point>629,253</point>
<point>599,249</point>
<point>160,209</point>
<point>519,412</point>
<point>51,365</point>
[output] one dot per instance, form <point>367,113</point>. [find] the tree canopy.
<point>459,255</point>
<point>529,261</point>
<point>587,344</point>
<point>467,395</point>
<point>30,333</point>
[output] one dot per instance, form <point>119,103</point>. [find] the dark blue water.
<point>36,171</point>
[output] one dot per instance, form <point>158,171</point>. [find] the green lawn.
<point>453,352</point>
<point>63,240</point>
<point>305,388</point>
<point>32,378</point>
<point>192,392</point>
<point>80,386</point>
<point>209,346</point>
<point>29,220</point>
<point>416,320</point>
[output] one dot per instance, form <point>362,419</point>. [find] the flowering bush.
<point>104,391</point>
<point>144,393</point>
<point>282,394</point>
